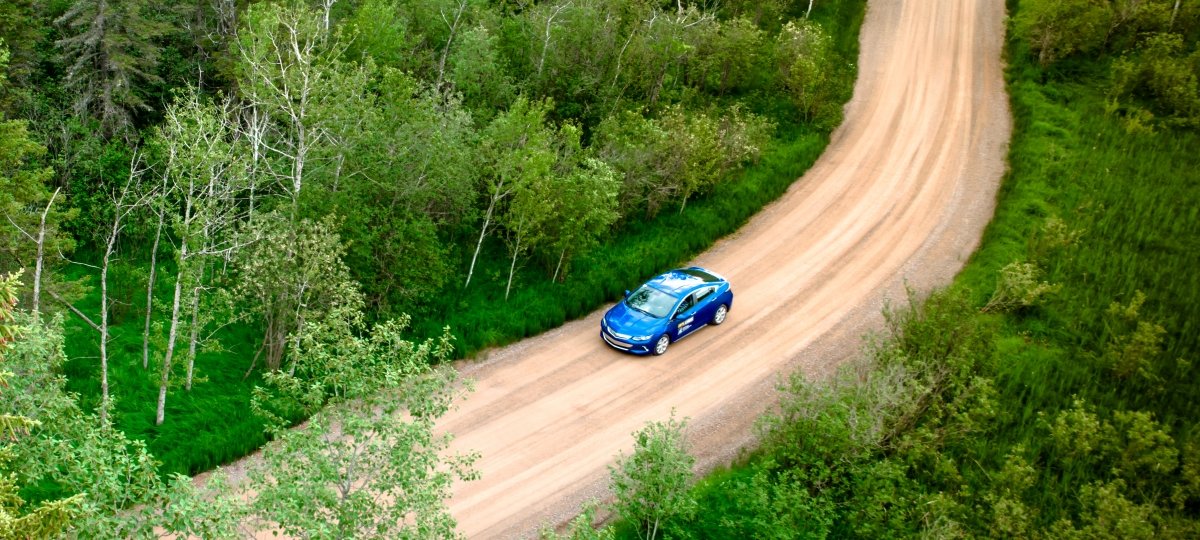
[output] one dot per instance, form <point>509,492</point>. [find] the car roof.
<point>683,280</point>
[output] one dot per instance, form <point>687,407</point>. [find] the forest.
<point>223,217</point>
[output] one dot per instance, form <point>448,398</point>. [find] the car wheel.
<point>719,316</point>
<point>661,345</point>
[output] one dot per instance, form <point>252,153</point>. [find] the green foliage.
<point>290,275</point>
<point>651,485</point>
<point>24,198</point>
<point>1076,419</point>
<point>369,463</point>
<point>1159,72</point>
<point>109,485</point>
<point>1018,288</point>
<point>809,73</point>
<point>1059,28</point>
<point>581,527</point>
<point>677,155</point>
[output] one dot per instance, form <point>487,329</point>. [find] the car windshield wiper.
<point>639,309</point>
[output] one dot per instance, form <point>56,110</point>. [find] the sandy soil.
<point>901,196</point>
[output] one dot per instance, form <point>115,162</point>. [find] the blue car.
<point>665,309</point>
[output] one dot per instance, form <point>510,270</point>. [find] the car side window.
<point>704,293</point>
<point>687,303</point>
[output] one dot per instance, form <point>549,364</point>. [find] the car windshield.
<point>651,301</point>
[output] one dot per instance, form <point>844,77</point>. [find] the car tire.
<point>719,316</point>
<point>660,346</point>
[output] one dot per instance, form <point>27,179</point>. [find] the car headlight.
<point>641,338</point>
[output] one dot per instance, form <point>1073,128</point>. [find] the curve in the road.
<point>900,197</point>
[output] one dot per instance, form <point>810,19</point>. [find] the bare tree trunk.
<point>150,293</point>
<point>327,5</point>
<point>112,238</point>
<point>74,310</point>
<point>462,5</point>
<point>809,10</point>
<point>1174,12</point>
<point>41,252</point>
<point>513,267</point>
<point>487,220</point>
<point>195,333</point>
<point>171,335</point>
<point>299,329</point>
<point>546,38</point>
<point>558,266</point>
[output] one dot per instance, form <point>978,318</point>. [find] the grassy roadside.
<point>212,424</point>
<point>1084,419</point>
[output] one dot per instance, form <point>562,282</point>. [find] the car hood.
<point>626,320</point>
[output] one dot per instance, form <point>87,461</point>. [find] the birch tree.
<point>516,149</point>
<point>126,199</point>
<point>206,172</point>
<point>290,69</point>
<point>32,213</point>
<point>158,205</point>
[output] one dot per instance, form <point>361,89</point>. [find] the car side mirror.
<point>627,293</point>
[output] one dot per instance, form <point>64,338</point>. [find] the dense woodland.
<point>222,217</point>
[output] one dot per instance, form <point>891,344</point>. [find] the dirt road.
<point>901,196</point>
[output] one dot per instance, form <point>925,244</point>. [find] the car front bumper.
<point>624,345</point>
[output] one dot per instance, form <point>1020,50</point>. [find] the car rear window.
<point>707,277</point>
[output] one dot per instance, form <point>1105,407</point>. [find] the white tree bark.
<point>41,253</point>
<point>171,335</point>
<point>487,221</point>
<point>462,6</point>
<point>195,332</point>
<point>150,289</point>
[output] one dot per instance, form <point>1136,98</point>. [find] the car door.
<point>684,319</point>
<point>706,305</point>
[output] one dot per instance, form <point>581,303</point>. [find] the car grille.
<point>615,342</point>
<point>617,335</point>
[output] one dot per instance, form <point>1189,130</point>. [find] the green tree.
<point>109,485</point>
<point>414,176</point>
<point>33,224</point>
<point>651,485</point>
<point>111,51</point>
<point>205,174</point>
<point>731,58</point>
<point>804,59</point>
<point>1059,28</point>
<point>291,275</point>
<point>369,463</point>
<point>517,150</point>
<point>1162,74</point>
<point>584,202</point>
<point>46,520</point>
<point>305,97</point>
